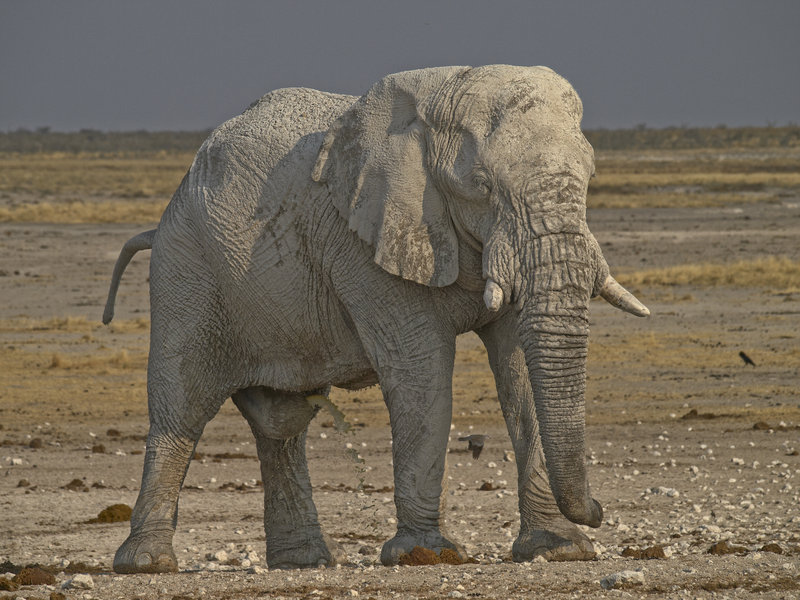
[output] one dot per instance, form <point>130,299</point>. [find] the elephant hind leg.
<point>176,423</point>
<point>279,420</point>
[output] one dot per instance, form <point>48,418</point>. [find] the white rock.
<point>81,581</point>
<point>616,580</point>
<point>257,570</point>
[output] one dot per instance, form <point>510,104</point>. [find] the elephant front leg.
<point>279,421</point>
<point>544,531</point>
<point>420,422</point>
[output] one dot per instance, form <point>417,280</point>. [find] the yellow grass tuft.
<point>101,364</point>
<point>774,272</point>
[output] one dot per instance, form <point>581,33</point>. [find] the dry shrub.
<point>98,364</point>
<point>775,272</point>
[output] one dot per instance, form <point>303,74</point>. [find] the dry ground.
<point>687,445</point>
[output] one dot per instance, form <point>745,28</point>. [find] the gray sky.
<point>191,64</point>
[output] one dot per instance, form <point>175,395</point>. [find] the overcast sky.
<point>191,64</point>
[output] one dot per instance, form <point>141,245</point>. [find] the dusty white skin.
<point>323,240</point>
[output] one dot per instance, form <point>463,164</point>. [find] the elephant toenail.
<point>144,559</point>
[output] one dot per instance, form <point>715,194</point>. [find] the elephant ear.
<point>374,160</point>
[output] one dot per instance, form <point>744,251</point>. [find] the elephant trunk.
<point>553,328</point>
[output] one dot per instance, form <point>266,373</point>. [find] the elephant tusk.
<point>493,296</point>
<point>616,295</point>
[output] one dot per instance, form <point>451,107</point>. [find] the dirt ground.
<point>687,445</point>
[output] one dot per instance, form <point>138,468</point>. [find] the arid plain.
<point>693,453</point>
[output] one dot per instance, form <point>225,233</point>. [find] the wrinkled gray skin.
<point>323,240</point>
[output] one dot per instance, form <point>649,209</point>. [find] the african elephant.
<point>324,240</point>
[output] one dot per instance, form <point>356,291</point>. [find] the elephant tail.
<point>143,241</point>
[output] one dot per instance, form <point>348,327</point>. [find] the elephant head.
<point>492,157</point>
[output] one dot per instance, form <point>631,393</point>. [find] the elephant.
<point>323,240</point>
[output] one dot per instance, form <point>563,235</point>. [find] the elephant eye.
<point>482,183</point>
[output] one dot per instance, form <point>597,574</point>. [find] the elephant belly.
<point>303,341</point>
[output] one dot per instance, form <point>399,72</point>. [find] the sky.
<point>191,64</point>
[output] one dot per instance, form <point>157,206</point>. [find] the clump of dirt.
<point>113,433</point>
<point>116,513</point>
<point>487,486</point>
<point>24,483</point>
<point>450,557</point>
<point>763,426</point>
<point>76,485</point>
<point>425,556</point>
<point>654,552</point>
<point>99,449</point>
<point>773,547</point>
<point>240,487</point>
<point>693,414</point>
<point>36,443</point>
<point>419,556</point>
<point>724,547</point>
<point>34,576</point>
<point>8,585</point>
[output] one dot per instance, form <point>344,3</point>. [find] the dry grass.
<point>660,179</point>
<point>776,273</point>
<point>153,176</point>
<point>72,364</point>
<point>135,188</point>
<point>72,325</point>
<point>676,199</point>
<point>80,211</point>
<point>102,364</point>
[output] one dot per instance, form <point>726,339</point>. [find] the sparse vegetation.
<point>97,177</point>
<point>778,273</point>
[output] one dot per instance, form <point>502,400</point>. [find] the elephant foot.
<point>556,543</point>
<point>311,553</point>
<point>404,543</point>
<point>146,553</point>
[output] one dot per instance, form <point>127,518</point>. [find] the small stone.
<point>256,570</point>
<point>508,456</point>
<point>622,579</point>
<point>220,556</point>
<point>81,581</point>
